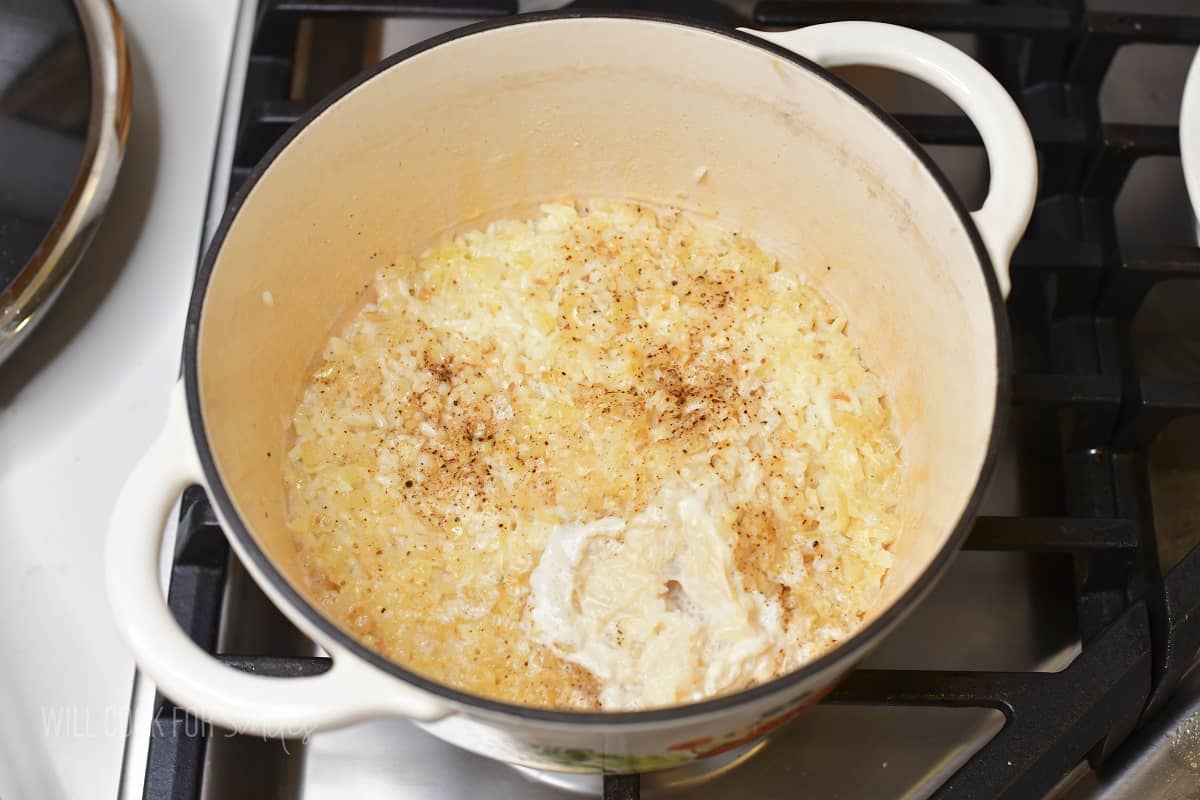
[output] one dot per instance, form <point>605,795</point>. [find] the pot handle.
<point>240,701</point>
<point>1010,150</point>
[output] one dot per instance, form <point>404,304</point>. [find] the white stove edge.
<point>141,707</point>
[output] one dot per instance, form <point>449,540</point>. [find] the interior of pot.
<point>490,125</point>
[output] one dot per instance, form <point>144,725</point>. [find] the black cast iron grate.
<point>1075,296</point>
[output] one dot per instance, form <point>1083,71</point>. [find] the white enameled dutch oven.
<point>487,122</point>
<point>1189,136</point>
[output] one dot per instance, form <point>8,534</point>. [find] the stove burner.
<point>663,781</point>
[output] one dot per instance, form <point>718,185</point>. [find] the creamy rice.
<point>609,458</point>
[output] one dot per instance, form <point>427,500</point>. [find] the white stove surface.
<point>80,401</point>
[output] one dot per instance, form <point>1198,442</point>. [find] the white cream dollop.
<point>654,607</point>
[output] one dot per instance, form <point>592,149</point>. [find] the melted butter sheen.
<point>609,458</point>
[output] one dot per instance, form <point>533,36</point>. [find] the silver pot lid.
<point>64,114</point>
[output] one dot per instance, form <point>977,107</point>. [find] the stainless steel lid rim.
<point>25,301</point>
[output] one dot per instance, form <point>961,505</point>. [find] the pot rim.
<point>846,653</point>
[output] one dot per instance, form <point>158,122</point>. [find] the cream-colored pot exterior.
<point>1189,135</point>
<point>490,124</point>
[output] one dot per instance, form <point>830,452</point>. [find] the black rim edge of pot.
<point>847,651</point>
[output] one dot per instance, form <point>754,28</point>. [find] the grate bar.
<point>279,666</point>
<point>622,787</point>
<point>1016,18</point>
<point>1180,636</point>
<point>956,129</point>
<point>178,741</point>
<point>1077,391</point>
<point>393,8</point>
<point>1142,27</point>
<point>263,127</point>
<point>1049,727</point>
<point>1068,258</point>
<point>1172,395</point>
<point>1165,263</point>
<point>1052,534</point>
<point>1122,146</point>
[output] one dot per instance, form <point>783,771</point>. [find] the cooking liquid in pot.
<point>610,458</point>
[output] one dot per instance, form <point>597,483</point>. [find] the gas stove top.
<point>1053,657</point>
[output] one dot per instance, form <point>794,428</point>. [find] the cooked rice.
<point>576,368</point>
